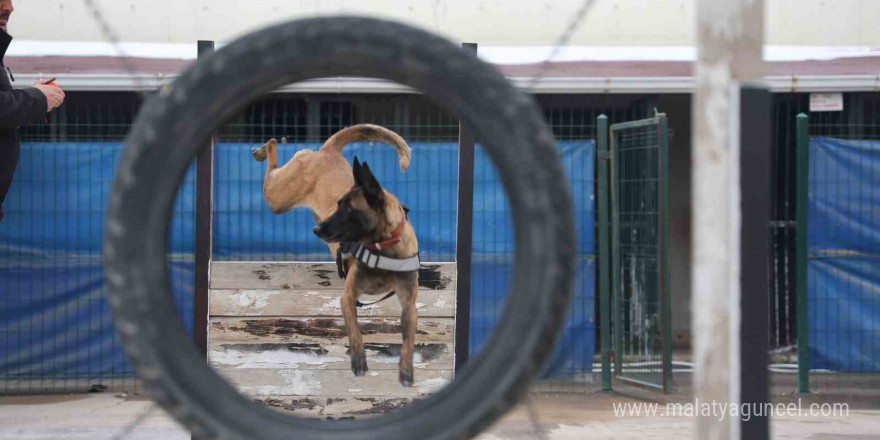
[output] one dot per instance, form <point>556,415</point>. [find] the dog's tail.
<point>369,132</point>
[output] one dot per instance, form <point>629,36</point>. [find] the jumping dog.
<point>365,226</point>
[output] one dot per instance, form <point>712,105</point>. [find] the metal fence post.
<point>754,163</point>
<point>204,224</point>
<point>604,268</point>
<point>204,219</point>
<point>803,168</point>
<point>464,239</point>
<point>615,290</point>
<point>665,293</point>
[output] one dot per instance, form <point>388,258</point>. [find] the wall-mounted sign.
<point>826,102</point>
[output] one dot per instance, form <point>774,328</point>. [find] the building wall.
<point>487,22</point>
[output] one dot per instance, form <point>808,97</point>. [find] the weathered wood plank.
<point>331,355</point>
<point>264,302</point>
<point>311,330</point>
<point>277,333</point>
<point>309,276</point>
<point>329,383</point>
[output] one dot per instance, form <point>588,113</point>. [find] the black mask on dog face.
<point>358,212</point>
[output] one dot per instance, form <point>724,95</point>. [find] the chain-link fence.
<point>824,298</point>
<point>56,331</point>
<point>839,261</point>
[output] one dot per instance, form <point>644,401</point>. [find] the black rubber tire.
<point>182,116</point>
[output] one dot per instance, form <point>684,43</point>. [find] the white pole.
<point>729,39</point>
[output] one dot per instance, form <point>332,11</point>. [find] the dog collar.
<point>395,237</point>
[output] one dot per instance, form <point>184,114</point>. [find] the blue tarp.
<point>843,248</point>
<point>54,313</point>
<point>245,229</point>
<point>54,317</point>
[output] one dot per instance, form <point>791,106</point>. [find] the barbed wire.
<point>573,25</point>
<point>113,38</point>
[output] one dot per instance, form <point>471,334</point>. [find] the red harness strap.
<point>395,238</point>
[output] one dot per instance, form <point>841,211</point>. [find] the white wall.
<point>487,22</point>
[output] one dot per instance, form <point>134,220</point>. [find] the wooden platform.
<point>276,332</point>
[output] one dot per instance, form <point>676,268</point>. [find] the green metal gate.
<point>639,245</point>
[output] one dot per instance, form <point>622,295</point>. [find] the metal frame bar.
<point>642,383</point>
<point>603,157</point>
<point>615,290</point>
<point>204,220</point>
<point>464,239</point>
<point>635,124</point>
<point>803,167</point>
<point>755,262</point>
<point>663,217</point>
<point>204,233</point>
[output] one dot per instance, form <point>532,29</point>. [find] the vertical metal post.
<point>603,156</point>
<point>464,239</point>
<point>401,116</point>
<point>615,290</point>
<point>803,169</point>
<point>755,128</point>
<point>204,226</point>
<point>665,293</point>
<point>204,219</point>
<point>313,119</point>
<point>729,45</point>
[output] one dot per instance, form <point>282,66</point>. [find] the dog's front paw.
<point>359,365</point>
<point>406,378</point>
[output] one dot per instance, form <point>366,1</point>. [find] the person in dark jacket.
<point>17,108</point>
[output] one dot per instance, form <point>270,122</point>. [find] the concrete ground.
<point>561,416</point>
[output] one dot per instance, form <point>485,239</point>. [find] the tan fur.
<point>318,180</point>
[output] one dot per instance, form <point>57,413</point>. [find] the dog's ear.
<point>356,171</point>
<point>372,190</point>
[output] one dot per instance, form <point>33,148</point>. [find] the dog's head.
<point>359,213</point>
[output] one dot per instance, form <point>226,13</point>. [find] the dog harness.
<point>368,255</point>
<point>373,260</point>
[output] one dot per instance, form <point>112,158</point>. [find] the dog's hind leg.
<point>408,323</point>
<point>349,312</point>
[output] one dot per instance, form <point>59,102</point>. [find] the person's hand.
<point>54,95</point>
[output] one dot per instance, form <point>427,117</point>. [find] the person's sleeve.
<point>22,106</point>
